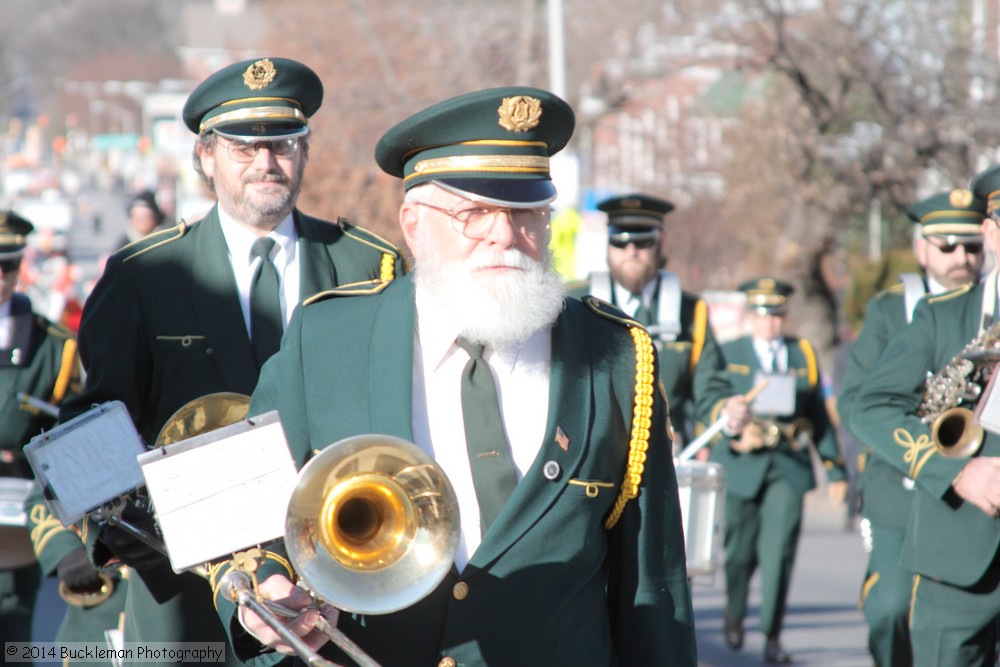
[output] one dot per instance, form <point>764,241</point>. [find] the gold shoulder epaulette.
<point>959,291</point>
<point>55,329</point>
<point>154,240</point>
<point>367,237</point>
<point>363,288</point>
<point>898,288</point>
<point>610,312</point>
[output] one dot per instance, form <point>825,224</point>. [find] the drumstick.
<point>716,426</point>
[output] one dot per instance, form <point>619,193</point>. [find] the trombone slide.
<point>237,587</point>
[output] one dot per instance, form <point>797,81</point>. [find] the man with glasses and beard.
<point>571,549</point>
<point>952,536</point>
<point>949,247</point>
<point>692,368</point>
<point>197,309</point>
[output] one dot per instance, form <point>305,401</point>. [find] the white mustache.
<point>510,258</point>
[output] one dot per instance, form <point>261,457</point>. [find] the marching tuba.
<point>951,394</point>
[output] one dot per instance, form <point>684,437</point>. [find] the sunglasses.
<point>971,248</point>
<point>641,240</point>
<point>10,265</point>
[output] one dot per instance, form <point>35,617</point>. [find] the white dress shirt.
<point>6,325</point>
<point>284,255</point>
<point>629,303</point>
<point>521,373</point>
<point>773,355</point>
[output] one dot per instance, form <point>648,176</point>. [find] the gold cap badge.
<point>520,113</point>
<point>960,197</point>
<point>259,74</point>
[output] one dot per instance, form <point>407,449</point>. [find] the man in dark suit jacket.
<point>768,468</point>
<point>953,536</point>
<point>198,308</point>
<point>581,560</point>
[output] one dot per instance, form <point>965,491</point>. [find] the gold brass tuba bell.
<point>202,415</point>
<point>372,524</point>
<point>956,434</point>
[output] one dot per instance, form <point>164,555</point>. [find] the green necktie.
<point>493,473</point>
<point>265,305</point>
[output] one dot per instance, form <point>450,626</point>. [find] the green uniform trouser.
<point>956,627</point>
<point>18,590</point>
<point>762,531</point>
<point>886,599</point>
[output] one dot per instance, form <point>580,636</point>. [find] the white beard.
<point>493,309</point>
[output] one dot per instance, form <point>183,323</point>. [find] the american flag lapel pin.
<point>562,439</point>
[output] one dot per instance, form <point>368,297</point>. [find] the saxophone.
<point>951,393</point>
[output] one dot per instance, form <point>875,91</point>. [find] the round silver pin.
<point>551,470</point>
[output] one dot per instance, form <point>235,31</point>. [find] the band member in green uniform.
<point>692,369</point>
<point>198,308</point>
<point>38,360</point>
<point>768,468</point>
<point>949,248</point>
<point>952,535</point>
<point>560,569</point>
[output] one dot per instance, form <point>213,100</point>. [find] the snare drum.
<point>702,488</point>
<point>15,541</point>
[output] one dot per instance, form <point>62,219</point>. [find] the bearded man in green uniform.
<point>569,564</point>
<point>952,536</point>
<point>37,359</point>
<point>197,309</point>
<point>692,369</point>
<point>768,467</point>
<point>949,248</point>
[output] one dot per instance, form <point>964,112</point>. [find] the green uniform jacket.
<point>692,367</point>
<point>549,585</point>
<point>45,366</point>
<point>884,500</point>
<point>48,369</point>
<point>162,327</point>
<point>745,473</point>
<point>41,362</point>
<point>946,538</point>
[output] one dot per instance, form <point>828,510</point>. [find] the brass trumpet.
<point>798,432</point>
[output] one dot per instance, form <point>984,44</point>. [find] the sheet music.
<point>778,397</point>
<point>87,461</point>
<point>221,492</point>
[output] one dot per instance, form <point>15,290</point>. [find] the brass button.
<point>460,591</point>
<point>447,661</point>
